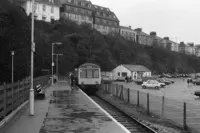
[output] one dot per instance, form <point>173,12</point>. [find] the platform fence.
<point>13,95</point>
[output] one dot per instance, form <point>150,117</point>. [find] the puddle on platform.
<point>64,93</point>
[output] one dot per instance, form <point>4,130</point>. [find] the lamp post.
<point>57,63</point>
<point>12,53</point>
<point>31,91</point>
<point>52,64</point>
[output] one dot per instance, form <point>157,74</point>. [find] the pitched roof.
<point>135,68</point>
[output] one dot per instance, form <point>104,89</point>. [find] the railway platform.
<point>64,110</point>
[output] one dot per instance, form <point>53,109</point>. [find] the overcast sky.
<point>177,19</point>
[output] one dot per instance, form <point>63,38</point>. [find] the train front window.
<point>83,73</point>
<point>89,73</point>
<point>95,73</point>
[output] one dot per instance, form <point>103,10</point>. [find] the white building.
<point>133,71</point>
<point>46,10</point>
<point>174,46</point>
<point>189,49</point>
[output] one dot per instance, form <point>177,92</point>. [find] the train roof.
<point>89,65</point>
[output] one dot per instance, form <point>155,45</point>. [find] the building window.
<point>52,19</point>
<point>52,9</point>
<point>98,20</point>
<point>69,1</point>
<point>44,18</point>
<point>118,74</point>
<point>90,18</point>
<point>82,11</point>
<point>82,17</point>
<point>44,8</point>
<point>75,9</point>
<point>124,74</point>
<point>75,2</point>
<point>35,7</point>
<point>79,3</point>
<point>89,5</point>
<point>72,9</point>
<point>82,4</point>
<point>89,13</point>
<point>68,8</point>
<point>35,16</point>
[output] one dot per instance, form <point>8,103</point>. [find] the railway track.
<point>131,124</point>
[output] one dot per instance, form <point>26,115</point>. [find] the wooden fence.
<point>156,105</point>
<point>13,95</point>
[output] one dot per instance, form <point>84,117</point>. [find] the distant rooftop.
<point>136,68</point>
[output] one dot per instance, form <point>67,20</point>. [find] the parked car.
<point>152,84</point>
<point>170,80</point>
<point>196,81</point>
<point>138,81</point>
<point>162,80</point>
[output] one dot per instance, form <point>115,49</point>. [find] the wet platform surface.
<point>70,111</point>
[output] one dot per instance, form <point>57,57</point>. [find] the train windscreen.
<point>89,73</point>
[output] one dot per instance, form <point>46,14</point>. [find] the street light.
<point>12,53</point>
<point>52,64</point>
<point>57,63</point>
<point>31,91</point>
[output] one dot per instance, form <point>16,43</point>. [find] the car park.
<point>152,84</point>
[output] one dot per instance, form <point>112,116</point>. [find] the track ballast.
<point>132,125</point>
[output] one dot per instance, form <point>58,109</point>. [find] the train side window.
<point>96,73</point>
<point>82,73</point>
<point>89,73</point>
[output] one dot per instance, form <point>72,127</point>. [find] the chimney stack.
<point>166,38</point>
<point>138,29</point>
<point>130,27</point>
<point>153,33</point>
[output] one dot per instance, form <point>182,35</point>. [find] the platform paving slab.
<point>80,115</point>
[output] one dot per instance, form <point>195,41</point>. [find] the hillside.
<point>80,44</point>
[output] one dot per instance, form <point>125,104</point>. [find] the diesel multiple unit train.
<point>88,77</point>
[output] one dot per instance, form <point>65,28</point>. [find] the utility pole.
<point>12,53</point>
<point>57,63</point>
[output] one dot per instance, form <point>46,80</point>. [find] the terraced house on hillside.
<point>170,44</point>
<point>142,37</point>
<point>80,11</point>
<point>105,20</point>
<point>83,11</point>
<point>46,10</point>
<point>128,33</point>
<point>156,40</point>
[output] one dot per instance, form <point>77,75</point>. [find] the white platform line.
<point>119,124</point>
